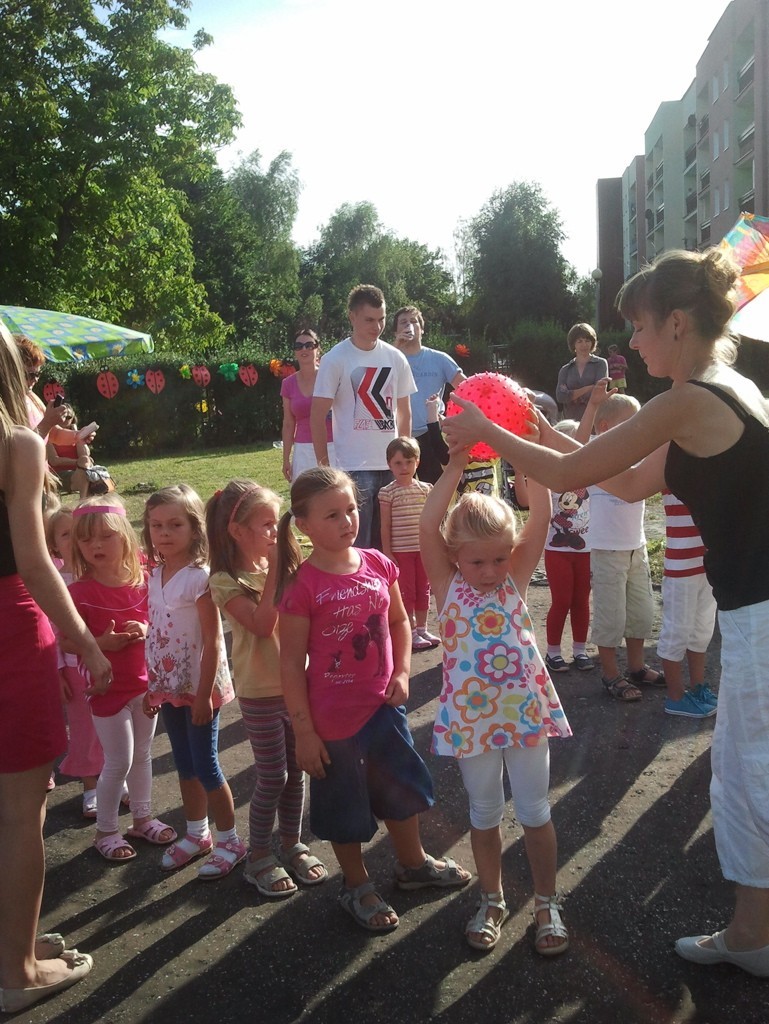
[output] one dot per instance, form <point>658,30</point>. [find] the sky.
<point>425,108</point>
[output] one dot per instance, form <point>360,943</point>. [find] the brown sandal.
<point>620,689</point>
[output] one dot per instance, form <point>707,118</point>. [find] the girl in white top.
<point>188,676</point>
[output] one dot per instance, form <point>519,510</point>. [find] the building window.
<point>727,194</point>
<point>715,146</point>
<point>716,201</point>
<point>726,78</point>
<point>726,135</point>
<point>715,88</point>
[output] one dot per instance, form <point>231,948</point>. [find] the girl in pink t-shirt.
<point>110,592</point>
<point>345,656</point>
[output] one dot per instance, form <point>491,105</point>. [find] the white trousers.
<point>739,789</point>
<point>528,769</point>
<point>126,739</point>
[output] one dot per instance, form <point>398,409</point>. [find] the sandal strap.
<point>555,927</point>
<point>296,849</point>
<point>480,924</point>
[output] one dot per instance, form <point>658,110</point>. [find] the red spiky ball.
<point>499,398</point>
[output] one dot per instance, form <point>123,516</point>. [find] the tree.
<point>242,224</point>
<point>95,110</point>
<point>354,248</point>
<point>516,268</point>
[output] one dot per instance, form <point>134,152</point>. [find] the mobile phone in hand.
<point>59,400</point>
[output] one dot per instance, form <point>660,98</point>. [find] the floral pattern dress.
<point>174,643</point>
<point>496,691</point>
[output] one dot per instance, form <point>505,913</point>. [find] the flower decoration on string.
<point>184,372</point>
<point>229,371</point>
<point>275,365</point>
<point>202,407</point>
<point>134,379</point>
<point>282,368</point>
<point>462,351</point>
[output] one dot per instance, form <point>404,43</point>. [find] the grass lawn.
<point>206,471</point>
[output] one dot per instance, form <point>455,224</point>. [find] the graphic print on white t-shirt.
<point>373,389</point>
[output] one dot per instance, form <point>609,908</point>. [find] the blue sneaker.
<point>704,695</point>
<point>689,707</point>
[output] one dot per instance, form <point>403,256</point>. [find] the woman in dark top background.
<point>578,377</point>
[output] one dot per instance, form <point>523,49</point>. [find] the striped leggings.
<point>279,781</point>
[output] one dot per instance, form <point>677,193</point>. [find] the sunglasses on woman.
<point>304,344</point>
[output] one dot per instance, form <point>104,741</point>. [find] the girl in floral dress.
<point>189,680</point>
<point>498,705</point>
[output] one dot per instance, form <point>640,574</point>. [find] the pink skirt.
<point>32,731</point>
<point>84,754</point>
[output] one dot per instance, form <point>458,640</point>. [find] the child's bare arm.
<point>600,392</point>
<point>386,524</point>
<point>531,540</point>
<point>311,753</point>
<point>397,691</point>
<point>432,546</point>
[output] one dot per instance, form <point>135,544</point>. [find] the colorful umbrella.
<point>64,336</point>
<point>748,245</point>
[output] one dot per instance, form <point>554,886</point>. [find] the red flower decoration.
<point>462,351</point>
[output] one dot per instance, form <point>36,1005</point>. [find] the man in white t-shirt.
<point>432,371</point>
<point>367,385</point>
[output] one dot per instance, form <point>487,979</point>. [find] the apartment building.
<point>706,155</point>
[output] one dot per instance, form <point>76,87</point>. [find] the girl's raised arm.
<point>530,542</point>
<point>259,618</point>
<point>432,547</point>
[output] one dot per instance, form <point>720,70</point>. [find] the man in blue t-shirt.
<point>432,371</point>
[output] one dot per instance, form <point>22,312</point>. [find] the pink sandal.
<point>153,831</point>
<point>108,846</point>
<point>176,856</point>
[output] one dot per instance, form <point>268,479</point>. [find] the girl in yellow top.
<point>242,524</point>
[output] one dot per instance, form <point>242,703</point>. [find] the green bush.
<point>182,415</point>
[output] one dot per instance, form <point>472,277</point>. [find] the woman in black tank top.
<point>707,438</point>
<point>32,730</point>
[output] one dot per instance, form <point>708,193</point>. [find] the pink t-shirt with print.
<point>349,646</point>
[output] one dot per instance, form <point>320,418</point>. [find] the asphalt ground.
<point>637,867</point>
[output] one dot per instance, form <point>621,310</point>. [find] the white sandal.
<point>483,925</point>
<point>554,927</point>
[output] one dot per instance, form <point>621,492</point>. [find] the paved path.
<point>637,864</point>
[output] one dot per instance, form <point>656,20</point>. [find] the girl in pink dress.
<point>110,592</point>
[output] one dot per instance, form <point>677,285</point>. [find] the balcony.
<point>703,128</point>
<point>705,234</point>
<point>746,75</point>
<point>658,173</point>
<point>746,141</point>
<point>691,203</point>
<point>704,181</point>
<point>690,155</point>
<point>747,201</point>
<point>659,217</point>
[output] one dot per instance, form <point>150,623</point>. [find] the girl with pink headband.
<point>110,592</point>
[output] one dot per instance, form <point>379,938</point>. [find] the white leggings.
<point>528,769</point>
<point>126,738</point>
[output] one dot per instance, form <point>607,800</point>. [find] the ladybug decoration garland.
<point>155,381</point>
<point>201,375</point>
<point>248,374</point>
<point>107,384</point>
